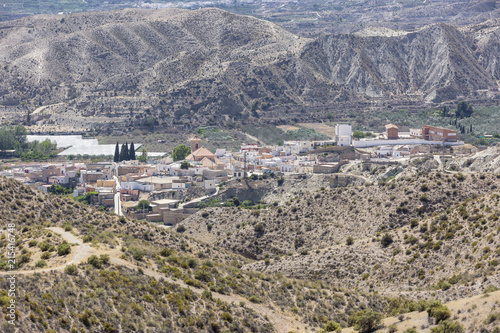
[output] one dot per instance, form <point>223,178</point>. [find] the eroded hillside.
<point>312,220</point>
<point>190,68</point>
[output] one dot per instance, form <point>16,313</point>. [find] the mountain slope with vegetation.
<point>180,68</point>
<point>135,276</point>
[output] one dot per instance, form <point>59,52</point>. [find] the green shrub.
<point>332,326</point>
<point>207,294</point>
<point>45,246</point>
<point>438,311</point>
<point>88,318</point>
<point>392,329</point>
<point>137,309</point>
<point>492,318</point>
<point>227,317</point>
<point>137,253</point>
<point>448,326</point>
<point>490,289</point>
<point>259,228</point>
<point>165,252</point>
<point>255,299</point>
<point>41,263</point>
<point>64,248</point>
<point>349,241</point>
<point>71,269</point>
<point>192,262</point>
<point>32,243</point>
<point>109,328</point>
<point>94,261</point>
<point>386,240</point>
<point>365,321</point>
<point>98,262</point>
<point>88,239</point>
<point>411,330</point>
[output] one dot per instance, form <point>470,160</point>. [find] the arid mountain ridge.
<point>208,66</point>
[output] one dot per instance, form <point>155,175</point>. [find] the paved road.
<point>118,202</point>
<point>200,199</point>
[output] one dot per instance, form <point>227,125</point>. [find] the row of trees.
<point>15,138</point>
<point>125,154</point>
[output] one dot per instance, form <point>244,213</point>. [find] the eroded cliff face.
<point>209,66</point>
<point>435,62</point>
<point>485,38</point>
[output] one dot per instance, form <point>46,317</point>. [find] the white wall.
<point>344,140</point>
<point>343,129</point>
<point>373,143</point>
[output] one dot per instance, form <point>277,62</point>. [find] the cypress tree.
<point>126,152</point>
<point>123,152</point>
<point>131,153</point>
<point>470,131</point>
<point>117,153</point>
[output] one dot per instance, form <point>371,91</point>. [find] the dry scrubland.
<point>144,278</point>
<point>391,239</point>
<point>407,233</point>
<point>311,220</point>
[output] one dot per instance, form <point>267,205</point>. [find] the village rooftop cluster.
<point>120,186</point>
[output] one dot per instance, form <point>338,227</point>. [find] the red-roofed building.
<point>392,131</point>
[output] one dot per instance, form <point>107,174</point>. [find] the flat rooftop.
<point>164,202</point>
<point>157,180</point>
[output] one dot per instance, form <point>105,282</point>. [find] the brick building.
<point>392,131</point>
<point>431,133</point>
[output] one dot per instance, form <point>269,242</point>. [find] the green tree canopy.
<point>13,138</point>
<point>185,165</point>
<point>143,204</point>
<point>180,152</point>
<point>144,156</point>
<point>464,110</point>
<point>358,134</point>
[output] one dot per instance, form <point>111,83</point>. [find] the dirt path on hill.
<point>41,108</point>
<point>283,323</point>
<point>251,137</point>
<point>81,253</point>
